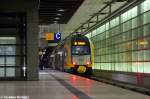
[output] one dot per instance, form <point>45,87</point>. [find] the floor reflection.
<point>74,97</point>
<point>83,83</point>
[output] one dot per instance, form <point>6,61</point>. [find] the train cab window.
<point>80,50</point>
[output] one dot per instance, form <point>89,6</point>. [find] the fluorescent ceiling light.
<point>61,10</point>
<point>55,21</point>
<point>58,14</point>
<point>57,18</point>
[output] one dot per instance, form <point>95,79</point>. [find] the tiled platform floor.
<point>58,85</point>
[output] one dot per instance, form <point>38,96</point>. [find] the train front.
<point>81,56</point>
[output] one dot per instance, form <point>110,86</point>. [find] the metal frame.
<point>110,15</point>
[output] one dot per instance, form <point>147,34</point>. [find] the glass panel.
<point>117,21</point>
<point>134,12</point>
<point>147,55</point>
<point>10,72</point>
<point>124,67</point>
<point>88,35</point>
<point>2,50</point>
<point>142,7</point>
<point>134,23</point>
<point>146,42</point>
<point>135,67</point>
<point>124,17</point>
<point>147,30</point>
<point>135,56</point>
<point>146,5</point>
<point>2,61</point>
<point>129,65</point>
<point>96,65</point>
<point>147,17</point>
<point>7,40</point>
<point>103,28</point>
<point>1,72</point>
<point>146,67</point>
<point>112,23</point>
<point>94,33</point>
<point>134,34</point>
<point>99,30</point>
<point>10,61</point>
<point>107,26</point>
<point>10,50</point>
<point>108,66</point>
<point>140,67</point>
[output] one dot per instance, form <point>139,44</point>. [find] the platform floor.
<point>58,85</point>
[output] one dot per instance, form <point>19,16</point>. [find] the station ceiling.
<point>57,11</point>
<point>84,11</point>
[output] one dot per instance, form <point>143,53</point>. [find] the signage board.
<point>53,37</point>
<point>57,36</point>
<point>50,36</point>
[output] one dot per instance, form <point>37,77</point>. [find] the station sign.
<point>57,36</point>
<point>49,36</point>
<point>53,37</point>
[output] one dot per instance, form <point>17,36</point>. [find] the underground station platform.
<point>46,46</point>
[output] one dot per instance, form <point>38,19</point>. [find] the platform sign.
<point>57,36</point>
<point>50,36</point>
<point>53,37</point>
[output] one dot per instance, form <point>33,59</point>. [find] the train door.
<point>63,57</point>
<point>60,60</point>
<point>53,62</point>
<point>56,61</point>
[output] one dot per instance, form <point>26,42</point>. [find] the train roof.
<point>78,36</point>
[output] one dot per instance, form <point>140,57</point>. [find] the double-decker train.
<point>74,55</point>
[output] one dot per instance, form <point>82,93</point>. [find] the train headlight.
<point>74,63</point>
<point>87,63</point>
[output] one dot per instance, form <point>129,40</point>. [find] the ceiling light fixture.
<point>57,18</point>
<point>58,14</point>
<point>55,21</point>
<point>61,10</point>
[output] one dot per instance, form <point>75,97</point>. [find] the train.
<point>73,55</point>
